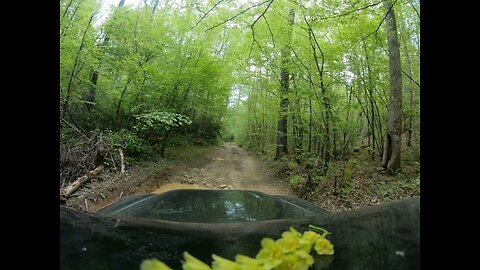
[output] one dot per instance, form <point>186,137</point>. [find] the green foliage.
<point>128,140</point>
<point>296,181</point>
<point>222,73</point>
<point>158,121</point>
<point>355,78</point>
<point>292,165</point>
<point>385,192</point>
<point>290,252</point>
<point>345,196</point>
<point>413,186</point>
<point>156,126</point>
<point>347,173</point>
<point>77,49</point>
<point>319,178</point>
<point>144,62</point>
<point>204,130</point>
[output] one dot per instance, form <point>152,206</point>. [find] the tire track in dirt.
<point>231,167</point>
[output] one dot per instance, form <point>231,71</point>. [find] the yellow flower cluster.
<point>291,252</point>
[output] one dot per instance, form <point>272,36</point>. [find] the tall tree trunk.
<point>67,7</point>
<point>75,65</point>
<point>409,89</point>
<point>310,122</point>
<point>349,102</point>
<point>393,142</point>
<point>91,94</point>
<point>264,120</point>
<point>379,125</point>
<point>248,134</point>
<point>410,120</point>
<point>297,122</point>
<point>327,116</point>
<point>282,148</point>
<point>142,87</point>
<point>122,96</point>
<point>254,143</point>
<point>371,98</point>
<point>64,29</point>
<point>164,142</point>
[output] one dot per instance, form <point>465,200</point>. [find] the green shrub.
<point>155,125</point>
<point>296,181</point>
<point>413,185</point>
<point>128,140</point>
<point>292,165</point>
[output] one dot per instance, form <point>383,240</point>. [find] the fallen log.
<point>79,182</point>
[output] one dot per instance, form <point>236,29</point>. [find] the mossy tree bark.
<point>393,142</point>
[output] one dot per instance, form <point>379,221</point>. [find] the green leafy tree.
<point>156,127</point>
<point>317,73</point>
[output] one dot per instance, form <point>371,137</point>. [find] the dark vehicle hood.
<point>374,238</point>
<point>213,206</point>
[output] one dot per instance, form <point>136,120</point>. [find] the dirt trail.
<point>230,167</point>
<point>224,167</point>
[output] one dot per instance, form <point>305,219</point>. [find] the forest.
<point>325,94</point>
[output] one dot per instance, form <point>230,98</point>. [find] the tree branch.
<point>253,30</point>
<point>270,30</point>
<point>308,75</point>
<point>342,14</point>
<point>319,68</point>
<point>66,8</point>
<point>238,14</point>
<point>411,78</point>
<point>416,11</point>
<point>378,28</point>
<point>205,15</point>
<point>253,42</point>
<point>351,11</point>
<point>261,15</point>
<point>74,128</point>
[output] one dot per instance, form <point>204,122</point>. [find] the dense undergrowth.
<point>82,151</point>
<point>350,183</point>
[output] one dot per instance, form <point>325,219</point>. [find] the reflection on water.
<point>211,206</point>
<point>174,186</point>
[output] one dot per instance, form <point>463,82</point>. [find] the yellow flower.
<point>323,246</point>
<point>295,232</point>
<point>292,262</point>
<point>289,241</point>
<point>310,236</point>
<point>307,241</point>
<point>192,263</point>
<point>220,263</point>
<point>290,252</point>
<point>304,258</point>
<point>153,264</point>
<point>271,253</point>
<point>247,263</point>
